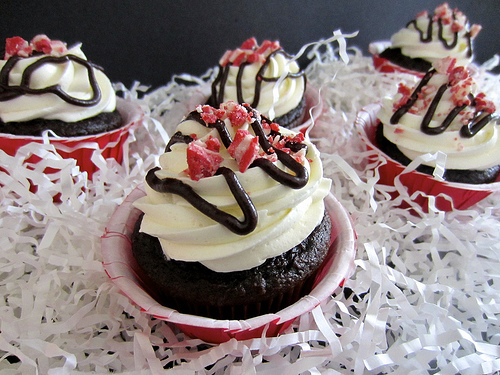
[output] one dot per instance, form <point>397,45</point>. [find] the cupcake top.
<point>45,79</point>
<point>263,76</point>
<point>444,112</point>
<point>233,189</point>
<point>435,36</point>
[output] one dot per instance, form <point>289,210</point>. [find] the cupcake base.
<point>121,266</point>
<point>388,60</point>
<point>395,56</point>
<point>108,144</point>
<point>190,287</point>
<point>422,189</point>
<point>469,176</point>
<point>103,122</point>
<point>294,117</point>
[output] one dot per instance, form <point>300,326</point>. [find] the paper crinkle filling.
<point>424,297</point>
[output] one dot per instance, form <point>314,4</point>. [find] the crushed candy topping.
<point>250,52</point>
<point>203,154</point>
<point>202,161</point>
<point>17,46</point>
<point>244,149</point>
<point>471,110</point>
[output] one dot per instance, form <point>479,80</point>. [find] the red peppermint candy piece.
<point>250,43</point>
<point>17,46</point>
<point>482,104</point>
<point>201,161</point>
<point>244,149</point>
<point>213,144</point>
<point>42,43</point>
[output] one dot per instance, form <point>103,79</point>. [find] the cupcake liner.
<point>121,267</point>
<point>82,149</point>
<point>385,66</point>
<point>425,190</point>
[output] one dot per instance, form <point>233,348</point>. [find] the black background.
<point>148,41</point>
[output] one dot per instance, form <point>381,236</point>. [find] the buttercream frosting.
<point>436,36</point>
<point>264,76</point>
<point>444,112</point>
<point>59,85</point>
<point>285,215</point>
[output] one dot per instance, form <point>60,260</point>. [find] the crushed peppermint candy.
<point>202,161</point>
<point>454,18</point>
<point>203,155</point>
<point>250,52</point>
<point>17,46</point>
<point>461,86</point>
<point>244,149</point>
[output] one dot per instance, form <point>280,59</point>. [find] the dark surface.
<point>149,41</point>
<point>192,288</point>
<point>101,123</point>
<point>466,176</point>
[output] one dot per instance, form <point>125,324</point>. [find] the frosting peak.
<point>44,79</point>
<point>251,74</point>
<point>237,189</point>
<point>431,37</point>
<point>444,112</point>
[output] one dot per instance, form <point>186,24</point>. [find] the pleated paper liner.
<point>108,144</point>
<point>122,268</point>
<point>420,187</point>
<point>385,66</point>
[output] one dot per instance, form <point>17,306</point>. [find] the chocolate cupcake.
<point>234,222</point>
<point>426,39</point>
<point>445,112</point>
<point>47,88</point>
<point>264,77</point>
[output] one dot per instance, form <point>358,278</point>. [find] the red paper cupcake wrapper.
<point>419,186</point>
<point>121,267</point>
<point>108,144</point>
<point>385,66</point>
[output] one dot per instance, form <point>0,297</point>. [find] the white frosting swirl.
<point>286,216</point>
<point>409,39</point>
<point>478,152</point>
<point>73,79</point>
<point>274,99</point>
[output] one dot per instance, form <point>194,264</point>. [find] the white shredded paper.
<point>424,297</point>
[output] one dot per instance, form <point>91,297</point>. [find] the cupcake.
<point>234,222</point>
<point>425,40</point>
<point>47,88</point>
<point>445,114</point>
<point>264,76</point>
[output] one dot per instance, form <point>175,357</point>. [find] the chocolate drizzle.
<point>296,180</point>
<point>174,186</point>
<point>480,120</point>
<point>426,36</point>
<point>178,137</point>
<point>9,92</point>
<point>218,97</point>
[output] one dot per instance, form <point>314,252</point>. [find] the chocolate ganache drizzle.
<point>474,125</point>
<point>218,97</point>
<point>426,35</point>
<point>9,92</point>
<point>296,180</point>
